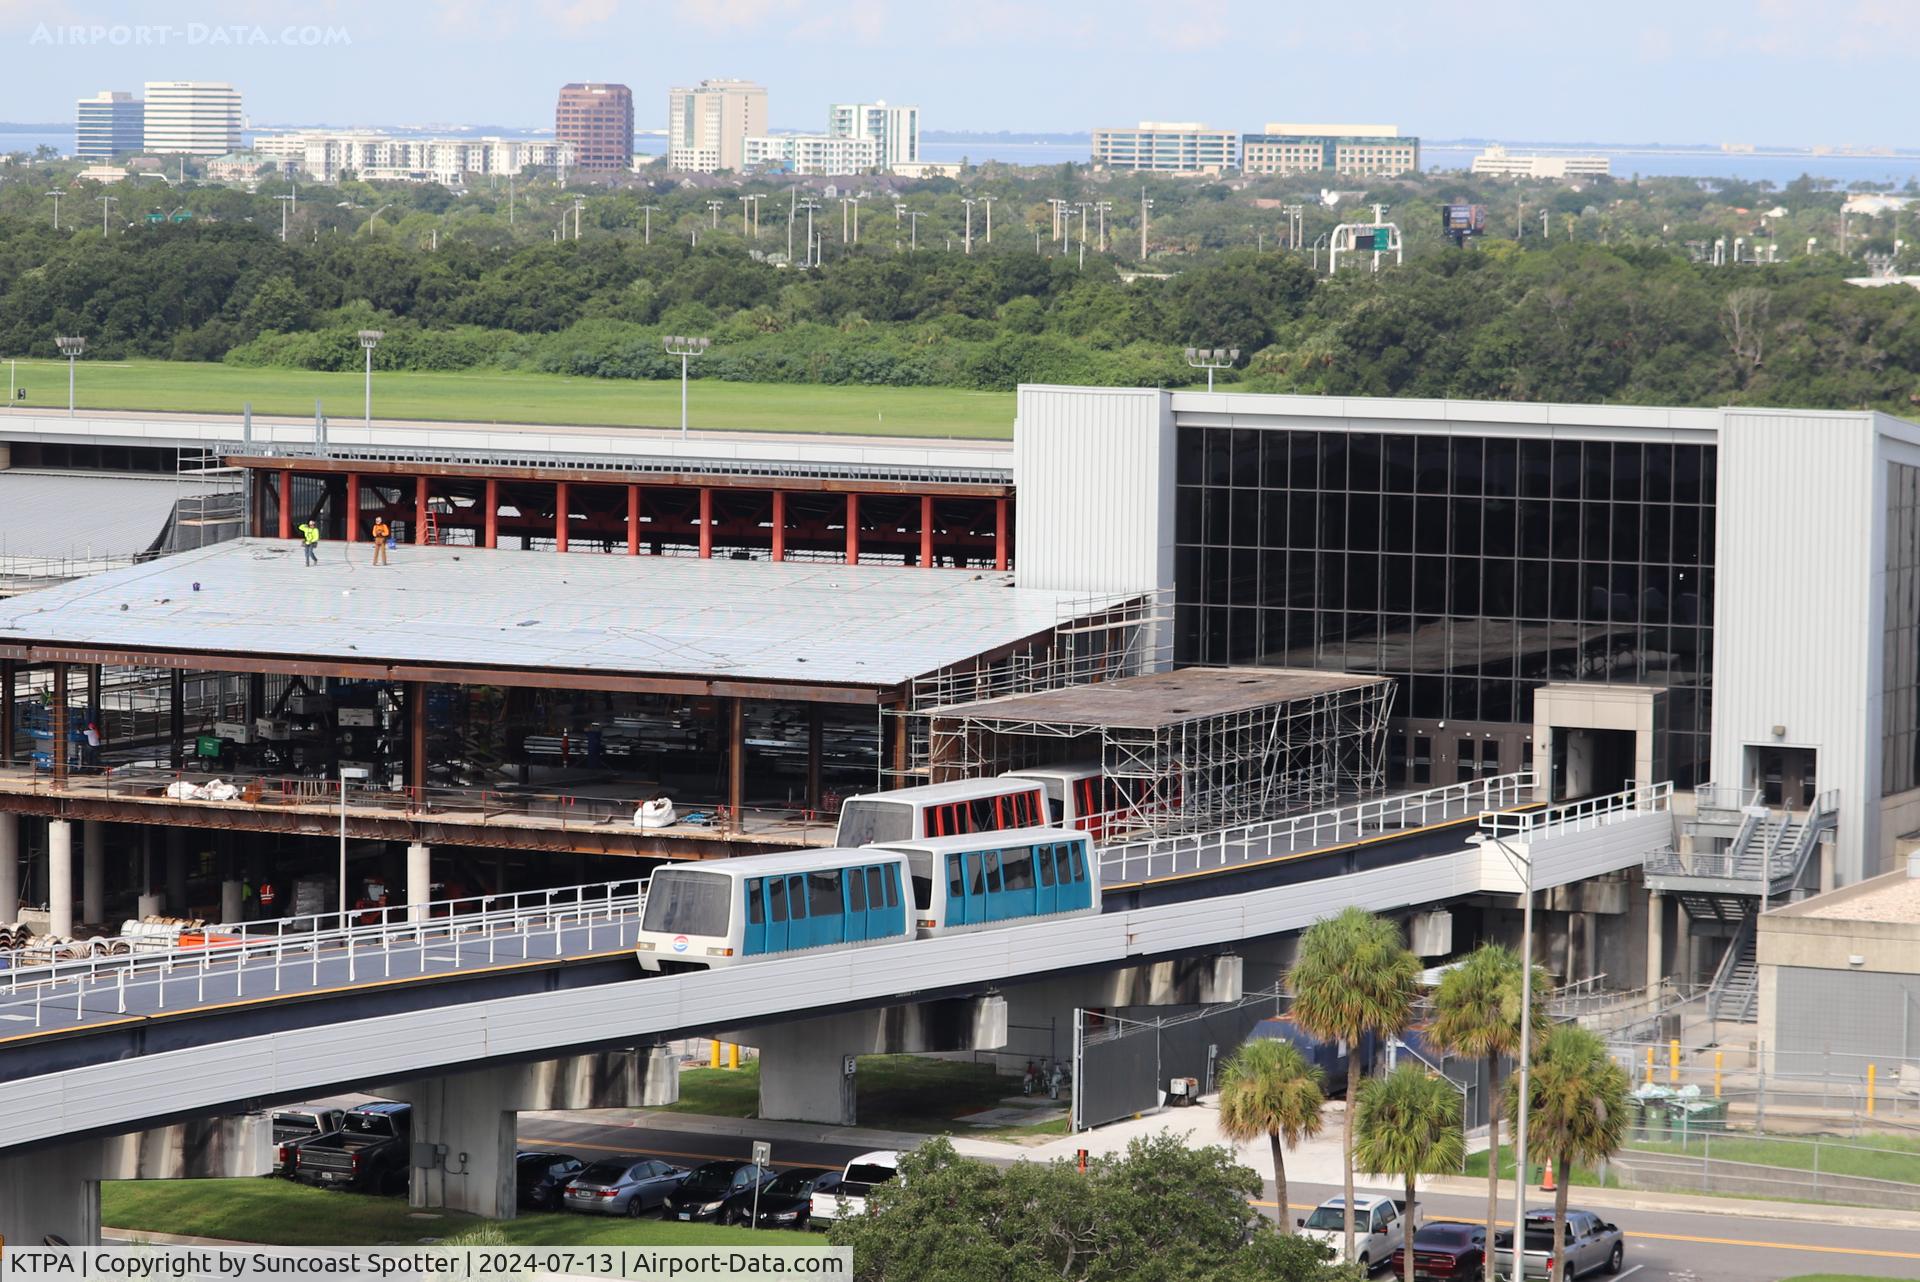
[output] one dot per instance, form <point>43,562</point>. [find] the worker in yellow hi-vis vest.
<point>310,540</point>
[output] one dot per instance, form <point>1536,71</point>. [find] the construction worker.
<point>382,540</point>
<point>310,540</point>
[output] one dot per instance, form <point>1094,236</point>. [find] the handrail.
<point>1576,815</point>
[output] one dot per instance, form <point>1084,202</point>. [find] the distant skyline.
<point>1787,72</point>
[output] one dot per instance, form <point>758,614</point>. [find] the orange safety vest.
<point>266,894</point>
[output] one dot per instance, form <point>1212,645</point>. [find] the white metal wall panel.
<point>1797,606</point>
<point>1566,857</point>
<point>1094,471</point>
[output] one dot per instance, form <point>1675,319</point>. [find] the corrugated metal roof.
<point>742,620</point>
<point>1162,698</point>
<point>77,514</point>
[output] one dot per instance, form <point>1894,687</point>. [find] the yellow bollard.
<point>733,1055</point>
<point>713,1056</point>
<point>1673,1061</point>
<point>1719,1058</point>
<point>1649,1065</point>
<point>1872,1070</point>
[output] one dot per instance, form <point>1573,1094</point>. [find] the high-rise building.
<point>111,123</point>
<point>1352,150</point>
<point>894,130</point>
<point>1166,147</point>
<point>192,117</point>
<point>325,155</point>
<point>598,121</point>
<point>812,154</point>
<point>709,124</point>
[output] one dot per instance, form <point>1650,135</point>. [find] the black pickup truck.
<point>368,1153</point>
<point>294,1126</point>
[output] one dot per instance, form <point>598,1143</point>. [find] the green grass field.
<point>1477,1168</point>
<point>278,1212</point>
<point>1878,1157</point>
<point>485,396</point>
<point>894,1093</point>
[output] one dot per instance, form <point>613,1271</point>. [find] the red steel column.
<point>706,524</point>
<point>926,531</point>
<point>560,516</point>
<point>286,505</point>
<point>999,534</point>
<point>420,509</point>
<point>779,525</point>
<point>633,520</point>
<point>353,508</point>
<point>853,529</point>
<point>493,513</point>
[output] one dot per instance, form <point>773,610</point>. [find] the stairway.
<point>1735,995</point>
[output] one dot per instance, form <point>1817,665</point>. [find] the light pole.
<point>1101,207</point>
<point>1296,216</point>
<point>1211,359</point>
<point>579,203</point>
<point>648,211</point>
<point>988,202</point>
<point>810,205</point>
<point>685,348</point>
<point>1525,868</point>
<point>56,207</point>
<point>855,202</point>
<point>107,203</point>
<point>1318,241</point>
<point>369,339</point>
<point>746,216</point>
<point>1146,210</point>
<point>286,204</point>
<point>713,211</point>
<point>913,229</point>
<point>1058,206</point>
<point>968,240</point>
<point>71,349</point>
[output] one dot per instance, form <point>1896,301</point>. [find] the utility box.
<point>272,728</point>
<point>237,731</point>
<point>304,703</point>
<point>358,717</point>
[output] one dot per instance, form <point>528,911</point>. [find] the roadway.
<point>1728,1245</point>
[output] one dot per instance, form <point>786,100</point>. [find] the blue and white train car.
<point>982,880</point>
<point>726,911</point>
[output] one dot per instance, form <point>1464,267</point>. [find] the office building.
<point>111,123</point>
<point>894,130</point>
<point>191,117</point>
<point>1168,148</point>
<point>597,122</point>
<point>325,156</point>
<point>811,154</point>
<point>1497,161</point>
<point>1356,151</point>
<point>709,124</point>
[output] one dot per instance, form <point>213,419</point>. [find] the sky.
<point>1787,72</point>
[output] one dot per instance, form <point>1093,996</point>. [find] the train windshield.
<point>864,823</point>
<point>688,903</point>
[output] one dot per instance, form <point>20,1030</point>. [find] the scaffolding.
<point>1183,751</point>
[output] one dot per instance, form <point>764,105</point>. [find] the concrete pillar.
<point>6,456</point>
<point>806,1077</point>
<point>176,871</point>
<point>232,905</point>
<point>1656,936</point>
<point>60,877</point>
<point>1590,943</point>
<point>93,872</point>
<point>419,880</point>
<point>9,867</point>
<point>51,1192</point>
<point>469,1122</point>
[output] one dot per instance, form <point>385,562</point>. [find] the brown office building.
<point>598,121</point>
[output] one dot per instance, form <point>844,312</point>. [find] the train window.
<point>976,876</point>
<point>797,897</point>
<point>993,872</point>
<point>1079,861</point>
<point>756,910</point>
<point>1043,864</point>
<point>892,881</point>
<point>874,892</point>
<point>982,814</point>
<point>823,894</point>
<point>956,878</point>
<point>1062,868</point>
<point>922,893</point>
<point>777,899</point>
<point>1016,869</point>
<point>856,891</point>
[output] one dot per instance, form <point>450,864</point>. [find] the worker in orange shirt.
<point>382,537</point>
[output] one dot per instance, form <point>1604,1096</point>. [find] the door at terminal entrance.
<point>1433,754</point>
<point>1590,763</point>
<point>1785,776</point>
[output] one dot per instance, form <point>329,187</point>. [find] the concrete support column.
<point>9,867</point>
<point>469,1121</point>
<point>232,904</point>
<point>51,1192</point>
<point>177,871</point>
<point>419,880</point>
<point>93,872</point>
<point>60,877</point>
<point>1656,937</point>
<point>807,1077</point>
<point>1590,943</point>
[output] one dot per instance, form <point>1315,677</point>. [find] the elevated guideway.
<point>110,1044</point>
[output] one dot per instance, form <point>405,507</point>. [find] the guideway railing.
<point>1242,843</point>
<point>1578,816</point>
<point>261,958</point>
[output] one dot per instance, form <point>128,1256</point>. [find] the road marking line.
<point>1627,1273</point>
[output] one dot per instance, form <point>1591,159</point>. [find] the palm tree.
<point>1576,1113</point>
<point>1352,977</point>
<point>1409,1122</point>
<point>1476,1012</point>
<point>1268,1088</point>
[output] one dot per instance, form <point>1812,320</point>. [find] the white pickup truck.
<point>849,1197</point>
<point>1379,1228</point>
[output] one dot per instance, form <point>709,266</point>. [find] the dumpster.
<point>1649,1118</point>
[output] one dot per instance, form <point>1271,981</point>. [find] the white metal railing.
<point>1715,796</point>
<point>1577,816</point>
<point>1242,843</point>
<point>238,963</point>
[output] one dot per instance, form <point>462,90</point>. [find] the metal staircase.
<point>1734,994</point>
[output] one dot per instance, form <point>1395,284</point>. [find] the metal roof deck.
<point>1162,698</point>
<point>459,608</point>
<point>48,514</point>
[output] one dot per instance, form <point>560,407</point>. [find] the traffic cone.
<point>1546,1179</point>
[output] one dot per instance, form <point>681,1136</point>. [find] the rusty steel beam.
<point>664,480</point>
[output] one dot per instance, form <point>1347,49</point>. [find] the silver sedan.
<point>623,1187</point>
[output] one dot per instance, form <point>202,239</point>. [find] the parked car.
<point>1379,1227</point>
<point>294,1126</point>
<point>849,1196</point>
<point>369,1152</point>
<point>1446,1251</point>
<point>623,1187</point>
<point>787,1203</point>
<point>1591,1243</point>
<point>539,1178</point>
<point>718,1191</point>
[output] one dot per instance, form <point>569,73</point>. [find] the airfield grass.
<point>493,396</point>
<point>894,1093</point>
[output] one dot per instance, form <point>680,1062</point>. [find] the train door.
<point>1046,891</point>
<point>856,905</point>
<point>754,939</point>
<point>959,877</point>
<point>777,924</point>
<point>799,929</point>
<point>996,904</point>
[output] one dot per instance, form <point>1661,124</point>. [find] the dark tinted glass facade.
<point>1475,569</point>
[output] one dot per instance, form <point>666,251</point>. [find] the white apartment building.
<point>1498,162</point>
<point>1346,149</point>
<point>708,125</point>
<point>811,153</point>
<point>895,130</point>
<point>1167,147</point>
<point>323,156</point>
<point>192,118</point>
